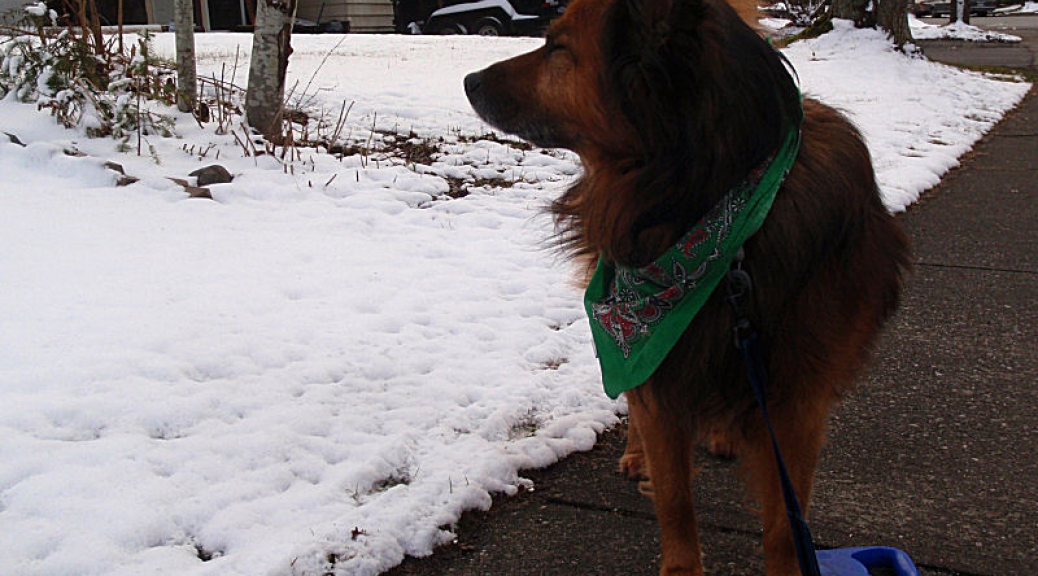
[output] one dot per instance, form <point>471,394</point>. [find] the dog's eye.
<point>552,45</point>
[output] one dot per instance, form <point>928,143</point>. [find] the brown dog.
<point>670,104</point>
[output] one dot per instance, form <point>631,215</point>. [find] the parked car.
<point>942,8</point>
<point>483,17</point>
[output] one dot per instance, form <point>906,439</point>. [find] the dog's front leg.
<point>668,454</point>
<point>632,463</point>
<point>801,432</point>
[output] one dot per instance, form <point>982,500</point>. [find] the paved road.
<point>1019,55</point>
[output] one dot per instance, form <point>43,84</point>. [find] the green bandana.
<point>638,314</point>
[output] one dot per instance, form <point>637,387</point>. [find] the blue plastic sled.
<point>857,561</point>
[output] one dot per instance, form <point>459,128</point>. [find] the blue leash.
<point>837,562</point>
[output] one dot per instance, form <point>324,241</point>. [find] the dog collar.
<point>638,314</point>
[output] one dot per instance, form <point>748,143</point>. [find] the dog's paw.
<point>634,466</point>
<point>645,488</point>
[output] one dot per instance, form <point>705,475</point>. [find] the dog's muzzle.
<point>476,93</point>
<point>473,85</point>
<point>498,110</point>
<point>501,110</point>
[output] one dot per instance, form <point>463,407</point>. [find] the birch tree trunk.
<point>271,47</point>
<point>960,11</point>
<point>187,79</point>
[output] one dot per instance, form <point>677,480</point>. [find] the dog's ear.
<point>642,54</point>
<point>648,21</point>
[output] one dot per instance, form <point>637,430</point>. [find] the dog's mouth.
<point>502,110</point>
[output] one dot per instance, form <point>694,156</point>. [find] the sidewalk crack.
<point>975,268</point>
<point>599,508</point>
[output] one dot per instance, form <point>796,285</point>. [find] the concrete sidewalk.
<point>936,454</point>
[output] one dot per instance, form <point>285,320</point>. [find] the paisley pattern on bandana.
<point>638,314</point>
<point>640,297</point>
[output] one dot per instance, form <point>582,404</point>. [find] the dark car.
<point>942,8</point>
<point>483,17</point>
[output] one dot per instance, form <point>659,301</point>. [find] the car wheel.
<point>488,27</point>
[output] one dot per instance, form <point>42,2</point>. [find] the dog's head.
<point>671,101</point>
<point>552,95</point>
<point>612,68</point>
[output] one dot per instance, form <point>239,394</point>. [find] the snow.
<point>320,370</point>
<point>956,31</point>
<point>775,23</point>
<point>38,9</point>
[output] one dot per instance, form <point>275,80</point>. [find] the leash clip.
<point>738,286</point>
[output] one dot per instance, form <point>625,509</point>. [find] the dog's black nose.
<point>473,82</point>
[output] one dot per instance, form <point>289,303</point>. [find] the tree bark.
<point>892,16</point>
<point>187,79</point>
<point>120,23</point>
<point>271,47</point>
<point>855,10</point>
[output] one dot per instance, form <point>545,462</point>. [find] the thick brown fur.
<point>670,103</point>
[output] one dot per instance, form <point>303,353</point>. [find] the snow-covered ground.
<point>956,31</point>
<point>321,369</point>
